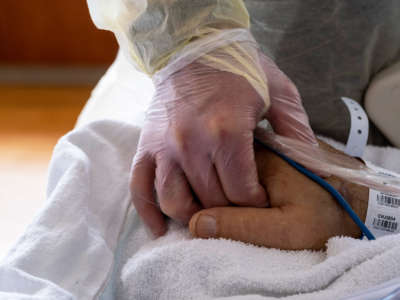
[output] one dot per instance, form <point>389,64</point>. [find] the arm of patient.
<point>302,215</point>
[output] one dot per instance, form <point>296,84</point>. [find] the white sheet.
<point>88,243</point>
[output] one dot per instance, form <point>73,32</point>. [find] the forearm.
<point>152,31</point>
<point>162,37</point>
<point>356,195</point>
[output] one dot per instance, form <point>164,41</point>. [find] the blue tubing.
<point>330,189</point>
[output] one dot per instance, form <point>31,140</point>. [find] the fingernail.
<point>206,226</point>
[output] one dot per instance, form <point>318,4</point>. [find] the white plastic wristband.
<point>359,128</point>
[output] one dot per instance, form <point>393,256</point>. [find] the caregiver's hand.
<point>302,214</point>
<point>196,148</point>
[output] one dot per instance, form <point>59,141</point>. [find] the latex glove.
<point>286,113</point>
<point>196,148</point>
<point>302,214</point>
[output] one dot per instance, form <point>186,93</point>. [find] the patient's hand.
<point>302,215</point>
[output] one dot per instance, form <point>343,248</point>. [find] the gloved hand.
<point>286,113</point>
<point>302,215</point>
<point>196,148</point>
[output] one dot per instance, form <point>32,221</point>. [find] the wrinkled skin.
<point>302,215</point>
<point>196,148</point>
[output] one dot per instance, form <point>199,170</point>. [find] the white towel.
<point>88,242</point>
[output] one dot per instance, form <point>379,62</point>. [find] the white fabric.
<point>88,242</point>
<point>122,94</point>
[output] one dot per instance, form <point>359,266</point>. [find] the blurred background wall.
<point>46,33</point>
<point>52,32</point>
<point>51,55</point>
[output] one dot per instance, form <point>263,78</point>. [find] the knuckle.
<point>181,138</point>
<point>214,124</point>
<point>223,135</point>
<point>218,129</point>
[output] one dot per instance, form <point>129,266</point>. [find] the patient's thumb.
<point>260,226</point>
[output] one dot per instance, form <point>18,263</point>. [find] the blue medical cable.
<point>330,189</point>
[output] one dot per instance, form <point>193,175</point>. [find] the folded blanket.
<point>88,242</point>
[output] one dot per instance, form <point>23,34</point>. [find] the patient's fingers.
<point>174,194</point>
<point>143,196</point>
<point>281,228</point>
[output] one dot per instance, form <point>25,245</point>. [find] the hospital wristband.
<point>383,214</point>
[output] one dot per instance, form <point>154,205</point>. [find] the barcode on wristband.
<point>386,225</point>
<point>383,215</point>
<point>388,200</point>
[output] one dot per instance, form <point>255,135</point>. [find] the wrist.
<point>357,196</point>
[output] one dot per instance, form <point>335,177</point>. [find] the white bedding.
<point>88,242</point>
